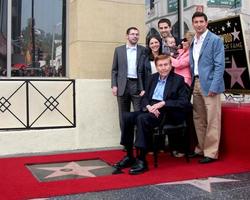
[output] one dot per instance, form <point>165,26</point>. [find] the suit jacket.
<point>211,64</point>
<point>176,94</point>
<point>147,71</point>
<point>120,68</point>
<point>181,65</point>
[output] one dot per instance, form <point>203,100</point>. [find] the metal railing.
<point>37,104</point>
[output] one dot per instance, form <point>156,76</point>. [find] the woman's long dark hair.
<point>149,51</point>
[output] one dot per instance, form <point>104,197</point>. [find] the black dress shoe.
<point>125,162</point>
<point>206,160</point>
<point>194,155</point>
<point>139,167</point>
<point>117,171</point>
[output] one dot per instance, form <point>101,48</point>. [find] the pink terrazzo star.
<point>235,73</point>
<point>72,168</point>
<point>204,184</point>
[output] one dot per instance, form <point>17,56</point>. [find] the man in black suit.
<point>167,94</point>
<point>126,74</point>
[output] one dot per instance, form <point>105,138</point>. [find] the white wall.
<point>96,125</point>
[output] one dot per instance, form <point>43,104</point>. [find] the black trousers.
<point>145,122</point>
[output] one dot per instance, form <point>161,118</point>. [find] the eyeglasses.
<point>184,40</point>
<point>136,34</point>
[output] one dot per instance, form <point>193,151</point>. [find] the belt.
<point>196,77</point>
<point>132,79</point>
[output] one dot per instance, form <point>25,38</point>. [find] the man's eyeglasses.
<point>136,34</point>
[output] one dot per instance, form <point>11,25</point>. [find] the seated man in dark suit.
<point>166,93</point>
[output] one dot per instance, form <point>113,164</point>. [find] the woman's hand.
<point>142,93</point>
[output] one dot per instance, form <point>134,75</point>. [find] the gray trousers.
<point>130,96</point>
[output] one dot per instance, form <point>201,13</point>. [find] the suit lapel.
<point>153,86</point>
<point>138,54</point>
<point>124,52</point>
<point>167,86</point>
<point>191,56</point>
<point>205,42</point>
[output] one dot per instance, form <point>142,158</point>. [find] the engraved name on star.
<point>235,73</point>
<point>204,184</point>
<point>72,168</point>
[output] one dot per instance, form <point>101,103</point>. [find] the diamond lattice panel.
<point>51,103</point>
<point>13,105</point>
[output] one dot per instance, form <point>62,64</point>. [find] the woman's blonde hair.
<point>189,35</point>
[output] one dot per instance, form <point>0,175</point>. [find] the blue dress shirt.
<point>159,89</point>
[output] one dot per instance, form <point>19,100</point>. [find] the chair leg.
<point>137,152</point>
<point>155,159</point>
<point>155,149</point>
<point>186,144</point>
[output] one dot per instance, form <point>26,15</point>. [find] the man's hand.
<point>114,90</point>
<point>155,108</point>
<point>151,109</point>
<point>211,94</point>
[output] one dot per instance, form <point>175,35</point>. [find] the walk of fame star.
<point>236,34</point>
<point>204,184</point>
<point>235,73</point>
<point>72,168</point>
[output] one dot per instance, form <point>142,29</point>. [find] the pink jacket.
<point>182,66</point>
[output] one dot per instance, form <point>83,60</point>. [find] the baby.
<point>170,47</point>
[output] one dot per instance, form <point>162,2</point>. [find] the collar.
<point>202,37</point>
<point>162,80</point>
<point>131,47</point>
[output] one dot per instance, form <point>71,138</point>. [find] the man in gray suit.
<point>127,71</point>
<point>207,60</point>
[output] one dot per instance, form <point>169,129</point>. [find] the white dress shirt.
<point>153,67</point>
<point>131,60</point>
<point>196,50</point>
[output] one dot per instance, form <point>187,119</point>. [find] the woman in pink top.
<point>182,67</point>
<point>181,63</point>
